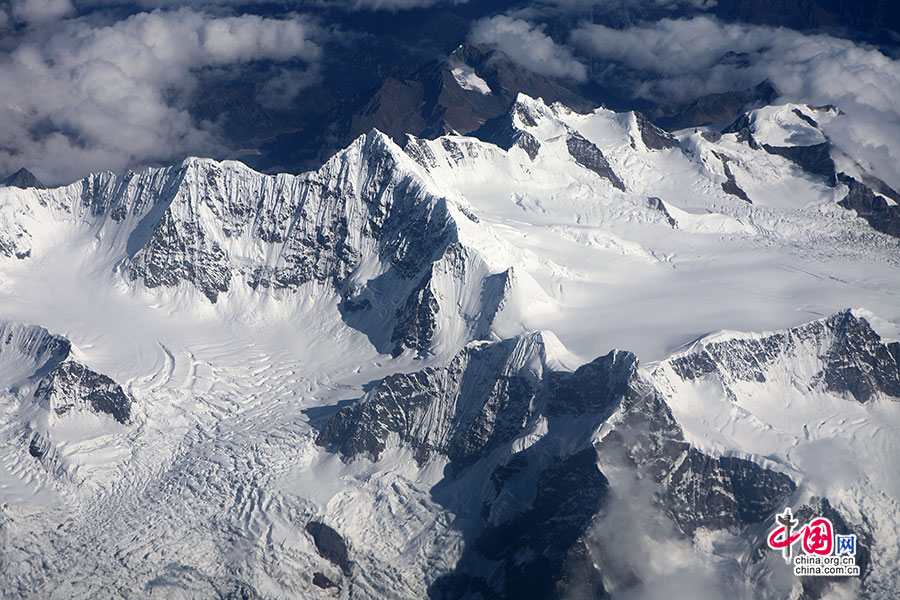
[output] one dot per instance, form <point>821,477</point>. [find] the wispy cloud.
<point>40,11</point>
<point>529,46</point>
<point>393,5</point>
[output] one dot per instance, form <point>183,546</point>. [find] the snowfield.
<point>240,311</point>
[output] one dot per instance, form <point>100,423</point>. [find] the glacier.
<point>450,367</point>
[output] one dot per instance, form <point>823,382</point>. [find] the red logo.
<point>818,537</point>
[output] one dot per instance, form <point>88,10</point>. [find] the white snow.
<point>783,126</point>
<point>469,80</point>
<point>220,471</point>
<point>831,445</point>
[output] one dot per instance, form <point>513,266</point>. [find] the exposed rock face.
<point>322,225</point>
<point>539,497</point>
<point>655,138</point>
<point>180,252</point>
<point>28,352</point>
<point>71,386</point>
<point>818,587</point>
<point>532,547</point>
<point>32,358</point>
<point>853,359</point>
<point>697,490</point>
<point>730,186</point>
<point>474,404</point>
<point>23,178</point>
<point>718,108</point>
<point>511,130</point>
<point>658,205</point>
<point>723,493</point>
<point>364,228</point>
<point>814,159</point>
<point>874,209</point>
<point>590,157</point>
<point>330,545</point>
<point>427,101</point>
<point>11,244</point>
<point>501,132</point>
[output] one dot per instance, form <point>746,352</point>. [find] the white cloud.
<point>527,45</point>
<point>40,11</point>
<point>610,5</point>
<point>346,5</point>
<point>393,5</point>
<point>683,59</point>
<point>76,98</point>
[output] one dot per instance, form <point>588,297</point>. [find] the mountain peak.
<point>23,178</point>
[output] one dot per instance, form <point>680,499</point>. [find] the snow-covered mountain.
<point>379,379</point>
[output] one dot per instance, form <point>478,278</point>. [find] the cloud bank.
<point>394,5</point>
<point>39,11</point>
<point>77,98</point>
<point>680,60</point>
<point>42,11</point>
<point>529,46</point>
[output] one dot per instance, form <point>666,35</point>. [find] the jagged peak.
<point>528,113</point>
<point>48,370</point>
<point>528,354</point>
<point>371,149</point>
<point>29,351</point>
<point>23,178</point>
<point>729,335</point>
<point>786,125</point>
<point>888,331</point>
<point>840,353</point>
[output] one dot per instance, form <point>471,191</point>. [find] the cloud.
<point>644,556</point>
<point>611,5</point>
<point>679,60</point>
<point>394,5</point>
<point>345,5</point>
<point>527,45</point>
<point>40,11</point>
<point>76,98</point>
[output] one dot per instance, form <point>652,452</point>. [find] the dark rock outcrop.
<point>23,178</point>
<point>492,394</point>
<point>815,159</point>
<point>320,580</point>
<point>42,364</point>
<point>501,132</point>
<point>730,186</point>
<point>590,157</point>
<point>655,138</point>
<point>480,400</point>
<point>658,205</point>
<point>39,445</point>
<point>718,108</point>
<point>880,215</point>
<point>72,385</point>
<point>330,545</point>
<point>855,362</point>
